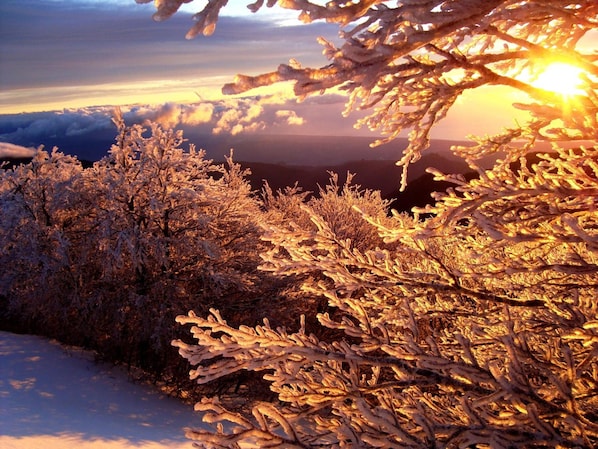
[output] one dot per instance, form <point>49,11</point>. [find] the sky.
<point>65,64</point>
<point>74,53</point>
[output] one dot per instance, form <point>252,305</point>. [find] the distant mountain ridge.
<point>306,150</point>
<point>303,150</point>
<point>369,174</point>
<point>307,160</point>
<point>381,175</point>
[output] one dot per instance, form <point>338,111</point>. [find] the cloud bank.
<point>88,131</point>
<point>271,114</point>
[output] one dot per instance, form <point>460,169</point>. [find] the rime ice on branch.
<point>474,325</point>
<point>409,61</point>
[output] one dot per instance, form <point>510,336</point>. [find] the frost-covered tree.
<point>38,212</point>
<point>169,230</point>
<point>339,206</point>
<point>477,325</point>
<point>108,256</point>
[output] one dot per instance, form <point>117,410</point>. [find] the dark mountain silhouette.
<point>304,150</point>
<point>419,192</point>
<point>382,175</point>
<point>13,162</point>
<point>374,175</point>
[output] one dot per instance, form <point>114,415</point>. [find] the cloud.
<point>254,111</point>
<point>290,117</point>
<point>240,115</point>
<point>230,120</point>
<point>9,150</point>
<point>271,113</point>
<point>201,113</point>
<point>170,115</point>
<point>167,115</point>
<point>325,99</point>
<point>28,129</point>
<point>87,132</point>
<point>228,116</point>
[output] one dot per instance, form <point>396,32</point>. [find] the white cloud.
<point>254,111</point>
<point>167,114</point>
<point>9,150</point>
<point>197,114</point>
<point>290,117</point>
<point>237,115</point>
<point>25,128</point>
<point>229,120</point>
<point>84,130</point>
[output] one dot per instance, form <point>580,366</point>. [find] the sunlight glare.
<point>561,78</point>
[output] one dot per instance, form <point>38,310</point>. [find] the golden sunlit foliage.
<point>470,323</point>
<point>474,323</point>
<point>395,57</point>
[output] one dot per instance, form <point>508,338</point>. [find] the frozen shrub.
<point>477,326</point>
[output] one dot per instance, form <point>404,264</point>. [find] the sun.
<point>560,78</point>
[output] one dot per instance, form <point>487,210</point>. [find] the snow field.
<point>54,397</point>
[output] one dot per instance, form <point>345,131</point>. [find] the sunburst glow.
<point>561,78</point>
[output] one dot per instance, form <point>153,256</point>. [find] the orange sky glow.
<point>66,59</point>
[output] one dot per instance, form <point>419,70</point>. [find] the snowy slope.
<point>56,398</point>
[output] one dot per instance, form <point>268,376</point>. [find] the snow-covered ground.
<point>53,397</point>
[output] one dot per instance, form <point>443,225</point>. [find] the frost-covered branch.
<point>471,323</point>
<point>431,346</point>
<point>408,62</point>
